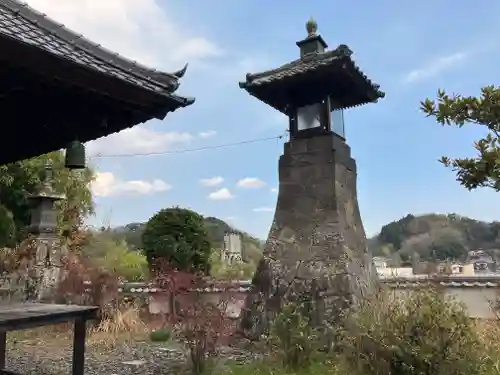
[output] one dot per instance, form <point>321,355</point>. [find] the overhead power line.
<point>182,151</point>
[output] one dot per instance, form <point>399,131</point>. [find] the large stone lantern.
<point>317,233</point>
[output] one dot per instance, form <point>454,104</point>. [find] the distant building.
<point>483,263</point>
<point>380,262</point>
<point>232,252</point>
<point>425,268</point>
<point>466,269</point>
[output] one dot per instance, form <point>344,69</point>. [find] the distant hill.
<point>435,237</point>
<point>252,247</point>
<point>428,237</point>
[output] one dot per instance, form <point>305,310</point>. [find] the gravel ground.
<point>132,358</point>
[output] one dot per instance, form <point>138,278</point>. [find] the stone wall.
<point>478,300</point>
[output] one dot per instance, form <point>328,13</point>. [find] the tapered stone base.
<point>317,243</point>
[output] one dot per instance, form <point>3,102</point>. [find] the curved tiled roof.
<point>243,286</point>
<point>306,64</point>
<point>450,281</point>
<point>451,284</point>
<point>149,288</point>
<point>24,24</point>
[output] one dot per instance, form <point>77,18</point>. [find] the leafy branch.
<point>457,110</point>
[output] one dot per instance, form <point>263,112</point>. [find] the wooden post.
<point>3,342</point>
<point>79,346</point>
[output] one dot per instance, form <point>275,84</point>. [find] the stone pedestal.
<point>45,265</point>
<point>38,269</point>
<point>46,270</point>
<point>317,242</point>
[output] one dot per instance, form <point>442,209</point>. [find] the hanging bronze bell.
<point>75,155</point>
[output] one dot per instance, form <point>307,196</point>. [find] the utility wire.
<point>182,151</point>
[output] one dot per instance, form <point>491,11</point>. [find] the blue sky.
<point>411,50</point>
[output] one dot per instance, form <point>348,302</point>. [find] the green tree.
<point>7,228</point>
<point>133,235</point>
<point>20,179</point>
<point>178,236</point>
<point>448,244</point>
<point>450,251</point>
<point>394,233</point>
<point>120,261</point>
<point>484,110</point>
<point>420,244</point>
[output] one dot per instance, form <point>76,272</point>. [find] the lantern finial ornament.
<point>75,155</point>
<point>311,27</point>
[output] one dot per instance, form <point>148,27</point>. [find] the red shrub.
<point>200,317</point>
<point>86,284</point>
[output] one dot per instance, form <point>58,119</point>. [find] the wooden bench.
<point>15,317</point>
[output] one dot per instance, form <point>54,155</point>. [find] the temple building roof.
<point>25,24</point>
<point>93,84</point>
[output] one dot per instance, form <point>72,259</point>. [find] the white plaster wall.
<point>478,301</point>
<point>395,271</point>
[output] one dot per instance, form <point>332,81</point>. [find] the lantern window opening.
<point>309,116</point>
<point>337,118</point>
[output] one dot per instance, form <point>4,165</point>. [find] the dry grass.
<point>489,331</point>
<point>123,326</point>
<point>126,324</point>
<point>49,337</point>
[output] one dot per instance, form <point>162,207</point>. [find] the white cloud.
<point>141,30</point>
<point>246,64</point>
<point>221,194</point>
<point>435,67</point>
<point>138,140</point>
<point>213,181</point>
<point>251,183</point>
<point>207,134</point>
<point>106,184</point>
<point>274,190</point>
<point>263,209</point>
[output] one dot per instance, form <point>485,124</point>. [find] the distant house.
<point>483,263</point>
<point>466,269</point>
<point>380,262</point>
